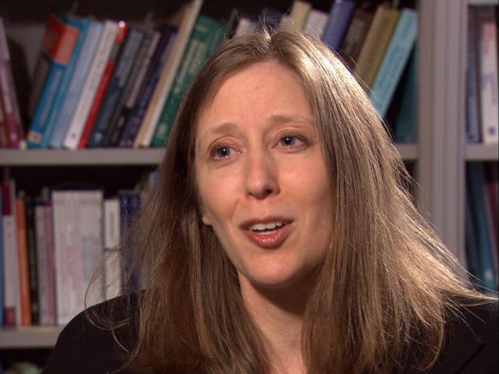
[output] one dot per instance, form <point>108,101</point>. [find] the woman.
<point>280,239</point>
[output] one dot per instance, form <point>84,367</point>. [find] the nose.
<point>261,175</point>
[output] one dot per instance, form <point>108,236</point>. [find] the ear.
<point>204,217</point>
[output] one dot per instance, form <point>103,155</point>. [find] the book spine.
<point>134,120</point>
<point>32,261</point>
<point>489,76</point>
<point>355,36</point>
<point>72,96</point>
<point>62,91</point>
<point>129,209</point>
<point>12,310</point>
<point>131,89</point>
<point>103,86</point>
<point>2,259</point>
<point>10,124</point>
<point>112,264</point>
<point>22,247</point>
<point>206,37</point>
<point>91,84</point>
<point>167,77</point>
<point>56,62</point>
<point>42,268</point>
<point>394,61</point>
<point>377,40</point>
<point>51,269</point>
<point>405,126</point>
<point>339,18</point>
<point>472,81</point>
<point>116,87</point>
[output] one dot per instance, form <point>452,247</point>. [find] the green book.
<point>205,39</point>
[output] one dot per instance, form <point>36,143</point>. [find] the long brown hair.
<point>388,284</point>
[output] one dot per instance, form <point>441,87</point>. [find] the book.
<point>245,26</point>
<point>475,181</point>
<point>340,14</point>
<point>377,40</point>
<point>129,209</point>
<point>133,118</point>
<point>12,300</point>
<point>298,14</point>
<point>45,263</point>
<point>473,127</point>
<point>91,85</point>
<point>76,84</point>
<point>133,88</point>
<point>59,97</point>
<point>488,73</point>
<point>78,248</point>
<point>112,256</point>
<point>394,60</point>
<point>316,23</point>
<point>100,95</point>
<point>205,39</point>
<point>2,264</point>
<point>356,34</point>
<point>103,85</point>
<point>23,271</point>
<point>116,86</point>
<point>29,204</point>
<point>10,122</point>
<point>61,36</point>
<point>188,19</point>
<point>406,120</point>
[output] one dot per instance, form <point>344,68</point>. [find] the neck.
<point>278,313</point>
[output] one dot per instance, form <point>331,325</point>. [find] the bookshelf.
<point>440,155</point>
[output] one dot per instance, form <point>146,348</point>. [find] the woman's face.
<point>261,176</point>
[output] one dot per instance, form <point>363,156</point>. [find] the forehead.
<point>258,90</point>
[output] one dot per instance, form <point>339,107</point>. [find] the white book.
<point>148,126</point>
<point>298,15</point>
<point>95,73</point>
<point>316,23</point>
<point>111,222</point>
<point>112,273</point>
<point>12,300</point>
<point>245,26</point>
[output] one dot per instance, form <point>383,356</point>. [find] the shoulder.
<point>472,341</point>
<point>84,347</point>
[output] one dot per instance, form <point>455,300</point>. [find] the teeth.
<point>266,226</point>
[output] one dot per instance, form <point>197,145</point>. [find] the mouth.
<point>268,234</point>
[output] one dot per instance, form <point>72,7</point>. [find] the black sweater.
<point>82,348</point>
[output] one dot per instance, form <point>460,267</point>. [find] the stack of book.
<point>482,236</point>
<point>115,84</point>
<point>53,244</point>
<point>482,107</point>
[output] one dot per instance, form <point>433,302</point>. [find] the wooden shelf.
<point>44,157</point>
<point>482,152</point>
<point>29,337</point>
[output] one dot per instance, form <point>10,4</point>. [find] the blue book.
<point>405,125</point>
<point>116,86</point>
<point>340,14</point>
<point>77,79</point>
<point>394,61</point>
<point>60,40</point>
<point>61,92</point>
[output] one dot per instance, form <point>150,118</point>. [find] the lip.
<point>271,240</point>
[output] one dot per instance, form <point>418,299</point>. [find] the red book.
<point>23,262</point>
<point>101,91</point>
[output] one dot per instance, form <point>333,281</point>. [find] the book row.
<point>482,223</point>
<point>482,106</point>
<point>107,83</point>
<point>51,247</point>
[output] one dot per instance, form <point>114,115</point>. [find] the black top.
<point>82,348</point>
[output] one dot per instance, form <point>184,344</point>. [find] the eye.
<point>223,152</point>
<point>291,141</point>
